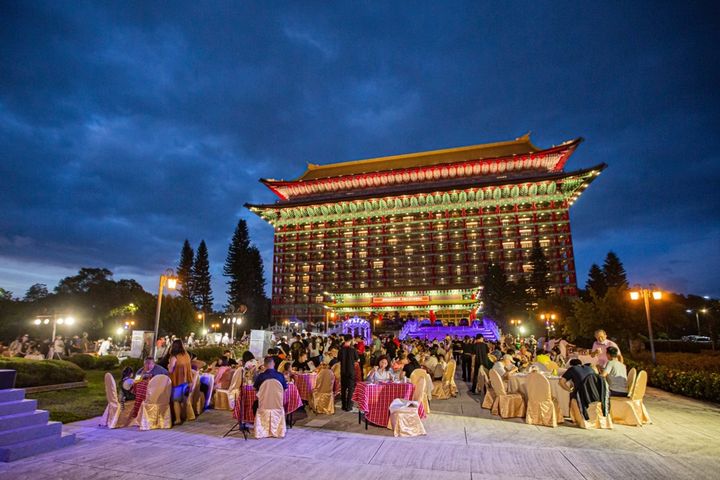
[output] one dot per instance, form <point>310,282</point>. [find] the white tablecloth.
<point>516,384</point>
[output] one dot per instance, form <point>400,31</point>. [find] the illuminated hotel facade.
<point>416,233</point>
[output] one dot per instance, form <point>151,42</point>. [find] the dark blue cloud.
<point>127,127</point>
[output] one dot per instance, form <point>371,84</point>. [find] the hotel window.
<point>362,254</point>
<point>377,264</point>
<point>508,245</point>
<point>318,299</point>
<point>526,244</point>
<point>319,267</point>
<point>305,288</point>
<point>545,242</point>
<point>525,231</point>
<point>306,268</point>
<point>305,278</point>
<point>393,241</point>
<point>408,251</point>
<point>291,278</point>
<point>407,229</point>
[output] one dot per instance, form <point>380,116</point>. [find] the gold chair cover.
<point>507,405</point>
<point>155,410</point>
<point>631,377</point>
<point>270,416</point>
<point>489,398</point>
<point>115,415</point>
<point>224,399</point>
<point>323,400</point>
<point>404,419</point>
<point>631,410</point>
<point>189,406</point>
<point>542,409</point>
<point>446,388</point>
<point>419,379</point>
<point>597,419</point>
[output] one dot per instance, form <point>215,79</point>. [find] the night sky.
<point>127,127</point>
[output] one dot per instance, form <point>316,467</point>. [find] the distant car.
<point>696,339</point>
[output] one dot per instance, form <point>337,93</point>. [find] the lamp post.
<point>697,315</point>
<point>549,320</point>
<point>56,320</point>
<point>232,321</point>
<point>201,316</point>
<point>645,293</point>
<point>166,279</point>
<point>516,323</point>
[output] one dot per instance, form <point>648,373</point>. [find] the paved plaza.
<point>463,442</point>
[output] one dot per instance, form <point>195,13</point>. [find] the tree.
<point>185,271</point>
<point>539,276</point>
<point>613,313</point>
<point>496,291</point>
<point>84,280</point>
<point>596,281</point>
<point>202,290</point>
<point>246,279</point>
<point>614,272</point>
<point>36,292</point>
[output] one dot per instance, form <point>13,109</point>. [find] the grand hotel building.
<point>415,233</point>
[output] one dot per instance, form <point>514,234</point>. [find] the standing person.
<point>105,346</point>
<point>85,343</point>
<point>467,358</point>
<point>599,348</point>
<point>480,349</point>
<point>180,370</point>
<point>348,360</point>
<point>191,340</point>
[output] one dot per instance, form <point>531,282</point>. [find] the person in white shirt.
<point>191,340</point>
<point>225,340</point>
<point>616,374</point>
<point>105,346</point>
<point>599,348</point>
<point>505,366</point>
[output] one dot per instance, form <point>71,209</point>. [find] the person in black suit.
<point>348,358</point>
<point>480,349</point>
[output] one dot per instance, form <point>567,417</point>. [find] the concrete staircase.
<point>25,430</point>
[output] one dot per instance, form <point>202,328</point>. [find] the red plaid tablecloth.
<point>374,400</point>
<point>291,402</point>
<point>140,391</point>
<point>305,382</point>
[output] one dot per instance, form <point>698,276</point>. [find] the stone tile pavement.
<point>463,442</point>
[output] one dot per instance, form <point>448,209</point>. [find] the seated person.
<point>505,366</point>
<point>575,374</point>
<point>440,367</point>
<point>399,363</point>
<point>430,363</point>
<point>381,373</point>
<point>302,364</point>
<point>126,384</point>
<point>615,373</point>
<point>149,370</point>
<point>412,365</point>
<point>268,373</point>
<point>542,357</point>
<point>287,371</point>
<point>332,357</point>
<point>225,361</point>
<point>248,360</point>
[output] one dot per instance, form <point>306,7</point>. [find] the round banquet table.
<point>373,400</point>
<point>291,402</point>
<point>517,384</point>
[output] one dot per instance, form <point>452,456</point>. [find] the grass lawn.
<point>78,403</point>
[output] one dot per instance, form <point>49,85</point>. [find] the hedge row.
<point>35,373</point>
<point>92,362</point>
<point>702,385</point>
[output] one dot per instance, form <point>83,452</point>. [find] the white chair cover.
<point>323,400</point>
<point>115,415</point>
<point>542,409</point>
<point>631,410</point>
<point>155,410</point>
<point>404,419</point>
<point>270,416</point>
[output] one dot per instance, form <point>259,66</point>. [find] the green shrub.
<point>106,362</point>
<point>703,385</point>
<point>34,373</point>
<point>208,354</point>
<point>83,360</point>
<point>134,363</point>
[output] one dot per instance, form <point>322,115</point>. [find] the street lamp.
<point>56,320</point>
<point>516,323</point>
<point>232,321</point>
<point>168,278</point>
<point>697,315</point>
<point>645,293</point>
<point>549,320</point>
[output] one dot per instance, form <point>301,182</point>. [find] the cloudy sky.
<point>126,127</point>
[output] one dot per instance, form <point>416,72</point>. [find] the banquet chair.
<point>323,400</point>
<point>281,367</point>
<point>223,377</point>
<point>446,388</point>
<point>404,418</point>
<point>419,379</point>
<point>224,398</point>
<point>197,397</point>
<point>631,377</point>
<point>507,405</point>
<point>115,415</point>
<point>336,371</point>
<point>631,410</point>
<point>270,416</point>
<point>542,409</point>
<point>552,367</point>
<point>489,397</point>
<point>190,404</point>
<point>596,421</point>
<point>155,410</point>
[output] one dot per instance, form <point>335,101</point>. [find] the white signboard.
<point>142,342</point>
<point>260,341</point>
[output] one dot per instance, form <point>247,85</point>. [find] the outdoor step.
<point>24,434</point>
<point>17,451</point>
<point>11,395</point>
<point>20,420</point>
<point>20,406</point>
